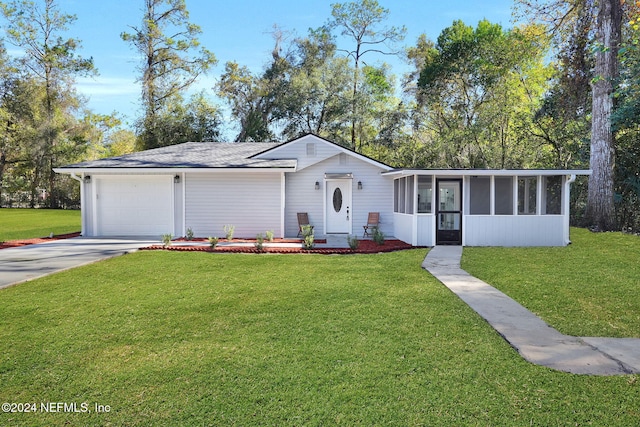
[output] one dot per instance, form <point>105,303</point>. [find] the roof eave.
<point>171,170</point>
<point>487,172</point>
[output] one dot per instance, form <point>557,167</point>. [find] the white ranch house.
<point>262,186</point>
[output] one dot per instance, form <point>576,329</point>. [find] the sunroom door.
<point>449,212</point>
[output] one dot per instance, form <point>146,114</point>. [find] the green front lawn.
<point>16,224</point>
<point>169,338</point>
<point>590,288</point>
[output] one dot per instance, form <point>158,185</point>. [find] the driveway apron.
<point>30,262</point>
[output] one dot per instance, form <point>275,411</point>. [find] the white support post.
<point>492,195</point>
<point>433,194</point>
<point>415,195</point>
<point>515,194</point>
<point>414,214</point>
<point>566,200</point>
<point>183,184</point>
<point>282,203</point>
<point>539,195</point>
<point>94,205</point>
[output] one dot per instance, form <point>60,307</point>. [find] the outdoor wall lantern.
<point>87,179</point>
<point>317,185</point>
<point>176,179</point>
<point>359,185</point>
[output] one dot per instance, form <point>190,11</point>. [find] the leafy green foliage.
<point>269,235</point>
<point>45,106</point>
<point>307,237</point>
<point>626,123</point>
<point>197,120</point>
<point>467,79</point>
<point>378,236</point>
<point>189,234</point>
<point>353,242</point>
<point>229,229</point>
<point>213,242</point>
<point>166,239</point>
<point>250,100</point>
<point>259,244</point>
<point>363,22</point>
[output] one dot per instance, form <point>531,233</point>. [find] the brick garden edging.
<point>25,242</point>
<point>366,247</point>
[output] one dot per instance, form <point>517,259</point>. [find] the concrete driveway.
<point>30,262</point>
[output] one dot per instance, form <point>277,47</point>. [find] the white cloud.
<point>107,86</point>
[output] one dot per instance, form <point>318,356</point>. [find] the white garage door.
<point>134,205</point>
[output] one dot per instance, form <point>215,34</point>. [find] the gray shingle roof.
<point>193,155</point>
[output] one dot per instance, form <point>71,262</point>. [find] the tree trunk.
<point>354,147</point>
<point>600,213</point>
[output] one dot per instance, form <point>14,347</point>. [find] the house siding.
<point>251,202</point>
<point>513,230</point>
<point>426,226</point>
<point>375,196</point>
<point>403,227</point>
<point>298,150</point>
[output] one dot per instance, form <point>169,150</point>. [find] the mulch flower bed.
<point>235,240</point>
<point>25,242</point>
<point>366,247</point>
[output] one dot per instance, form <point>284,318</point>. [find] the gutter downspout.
<point>567,201</point>
<point>81,181</point>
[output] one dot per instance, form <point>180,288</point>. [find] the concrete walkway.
<point>30,262</point>
<point>536,341</point>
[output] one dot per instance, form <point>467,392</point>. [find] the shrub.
<point>378,236</point>
<point>269,235</point>
<point>166,239</point>
<point>189,234</point>
<point>307,236</point>
<point>259,242</point>
<point>213,241</point>
<point>229,230</point>
<point>354,243</point>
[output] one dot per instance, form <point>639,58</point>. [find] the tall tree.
<point>318,96</point>
<point>600,203</point>
<point>467,79</point>
<point>626,123</point>
<point>563,120</point>
<point>8,145</point>
<point>51,59</point>
<point>197,120</point>
<point>360,21</point>
<point>257,101</point>
<point>172,60</point>
<point>588,36</point>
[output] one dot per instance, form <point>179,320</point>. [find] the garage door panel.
<point>135,205</point>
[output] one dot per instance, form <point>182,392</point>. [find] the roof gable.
<point>311,149</point>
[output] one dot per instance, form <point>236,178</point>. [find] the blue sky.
<point>238,31</point>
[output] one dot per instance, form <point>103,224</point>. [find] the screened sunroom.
<point>482,207</point>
